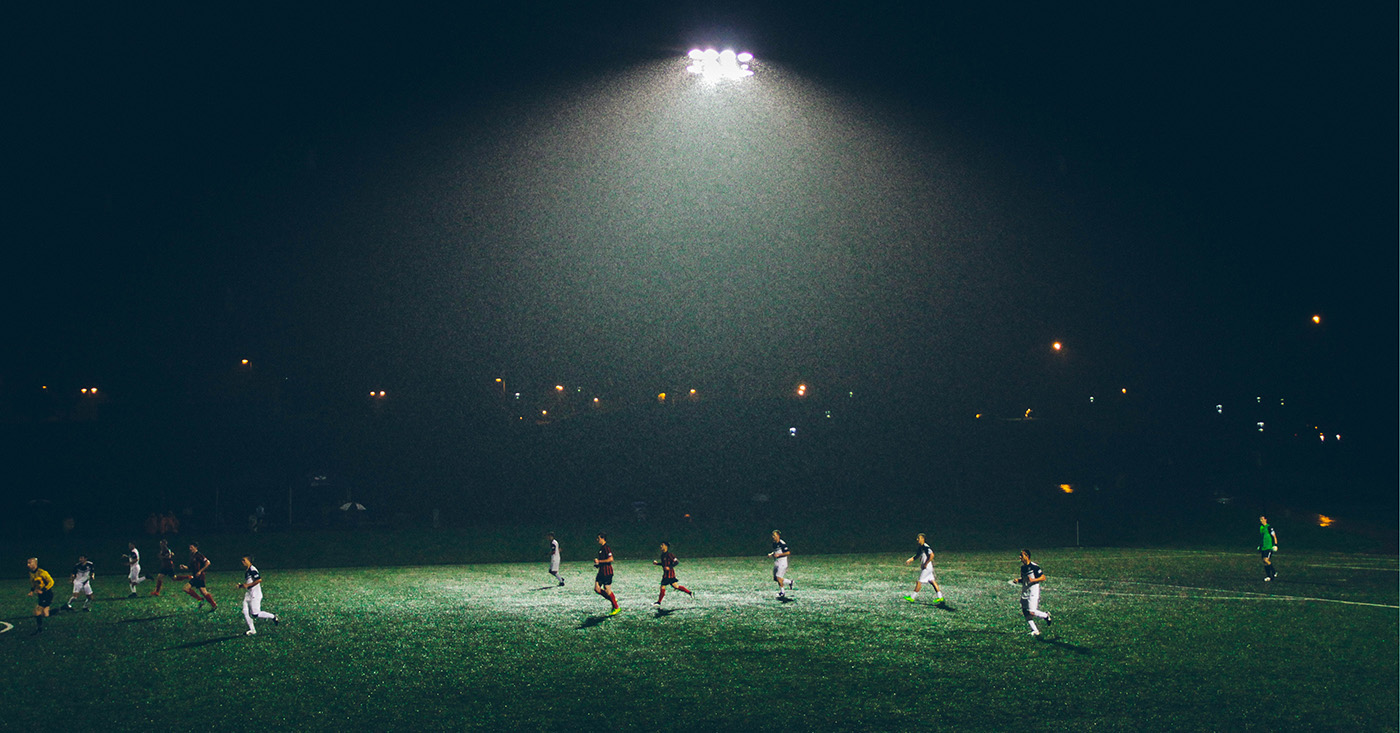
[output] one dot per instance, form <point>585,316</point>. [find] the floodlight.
<point>726,64</point>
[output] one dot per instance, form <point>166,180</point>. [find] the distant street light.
<point>1056,346</point>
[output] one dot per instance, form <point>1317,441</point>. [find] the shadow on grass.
<point>546,587</point>
<point>206,642</point>
<point>946,607</point>
<point>663,612</point>
<point>592,621</point>
<point>1082,650</point>
<point>148,618</point>
<point>786,599</point>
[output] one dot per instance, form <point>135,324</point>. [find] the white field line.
<point>1353,567</point>
<point>1246,595</point>
<point>7,626</point>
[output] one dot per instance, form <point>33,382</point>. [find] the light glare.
<point>715,65</point>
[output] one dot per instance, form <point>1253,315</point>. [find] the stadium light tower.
<point>715,65</point>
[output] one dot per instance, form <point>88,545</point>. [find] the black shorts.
<point>668,581</point>
<point>197,581</point>
<point>603,578</point>
<point>168,572</point>
<point>44,599</point>
<point>1266,554</point>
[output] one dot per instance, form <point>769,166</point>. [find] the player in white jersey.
<point>1030,579</point>
<point>924,554</point>
<point>554,557</point>
<point>780,555</point>
<point>252,597</point>
<point>133,574</point>
<point>82,583</point>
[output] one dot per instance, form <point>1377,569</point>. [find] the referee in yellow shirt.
<point>41,587</point>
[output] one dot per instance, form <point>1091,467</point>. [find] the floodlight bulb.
<point>745,57</point>
<point>710,54</point>
<point>696,54</point>
<point>727,57</point>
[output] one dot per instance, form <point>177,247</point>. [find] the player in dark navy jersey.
<point>602,582</point>
<point>196,584</point>
<point>668,564</point>
<point>780,555</point>
<point>82,583</point>
<point>924,554</point>
<point>1030,579</point>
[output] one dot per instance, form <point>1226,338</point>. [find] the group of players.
<point>41,583</point>
<point>1030,578</point>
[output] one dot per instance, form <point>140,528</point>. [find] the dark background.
<point>424,200</point>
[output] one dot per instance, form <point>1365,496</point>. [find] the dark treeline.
<point>483,458</point>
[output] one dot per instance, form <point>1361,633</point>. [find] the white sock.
<point>915,594</point>
<point>1034,630</point>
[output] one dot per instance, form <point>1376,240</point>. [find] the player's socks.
<point>612,598</point>
<point>662,597</point>
<point>1034,630</point>
<point>684,590</point>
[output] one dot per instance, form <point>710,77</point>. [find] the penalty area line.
<point>7,626</point>
<point>1255,597</point>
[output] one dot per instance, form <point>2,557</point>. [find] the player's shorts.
<point>926,575</point>
<point>196,581</point>
<point>82,588</point>
<point>668,581</point>
<point>603,578</point>
<point>1030,598</point>
<point>168,572</point>
<point>134,573</point>
<point>779,567</point>
<point>554,564</point>
<point>44,599</point>
<point>1266,554</point>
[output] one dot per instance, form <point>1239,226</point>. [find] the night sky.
<point>904,196</point>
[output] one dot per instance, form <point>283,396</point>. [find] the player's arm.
<point>246,586</point>
<point>204,567</point>
<point>1037,578</point>
<point>1273,536</point>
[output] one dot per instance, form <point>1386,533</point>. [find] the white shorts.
<point>1030,597</point>
<point>82,588</point>
<point>926,574</point>
<point>779,567</point>
<point>135,573</point>
<point>252,601</point>
<point>554,564</point>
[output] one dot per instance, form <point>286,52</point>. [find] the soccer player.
<point>252,597</point>
<point>554,557</point>
<point>133,561</point>
<point>924,554</point>
<point>668,564</point>
<point>167,566</point>
<point>602,583</point>
<point>82,583</point>
<point>1031,578</point>
<point>780,555</point>
<point>41,587</point>
<point>1268,544</point>
<point>195,585</point>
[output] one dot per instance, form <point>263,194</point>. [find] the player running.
<point>1031,578</point>
<point>780,555</point>
<point>924,554</point>
<point>1268,545</point>
<point>195,586</point>
<point>554,557</point>
<point>252,597</point>
<point>41,587</point>
<point>167,566</point>
<point>668,563</point>
<point>602,583</point>
<point>82,578</point>
<point>133,562</point>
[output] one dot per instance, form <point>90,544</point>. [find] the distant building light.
<point>1220,409</point>
<point>1261,426</point>
<point>828,414</point>
<point>1322,437</point>
<point>244,362</point>
<point>1091,399</point>
<point>558,388</point>
<point>1068,489</point>
<point>517,395</point>
<point>1124,390</point>
<point>661,397</point>
<point>1325,521</point>
<point>1280,402</point>
<point>1056,346</point>
<point>792,432</point>
<point>1317,319</point>
<point>1339,436</point>
<point>801,390</point>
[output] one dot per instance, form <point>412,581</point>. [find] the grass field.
<point>1143,640</point>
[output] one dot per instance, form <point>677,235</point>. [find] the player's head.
<point>164,543</point>
<point>247,561</point>
<point>1263,519</point>
<point>602,538</point>
<point>665,546</point>
<point>33,563</point>
<point>82,558</point>
<point>921,538</point>
<point>131,545</point>
<point>1025,556</point>
<point>549,535</point>
<point>777,535</point>
<point>194,547</point>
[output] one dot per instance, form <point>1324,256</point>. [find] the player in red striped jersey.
<point>668,564</point>
<point>602,583</point>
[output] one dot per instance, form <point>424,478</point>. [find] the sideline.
<point>1250,597</point>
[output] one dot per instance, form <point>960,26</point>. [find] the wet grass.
<point>1143,639</point>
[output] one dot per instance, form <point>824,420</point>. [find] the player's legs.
<point>249,608</point>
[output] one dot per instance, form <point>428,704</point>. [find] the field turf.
<point>1142,640</point>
